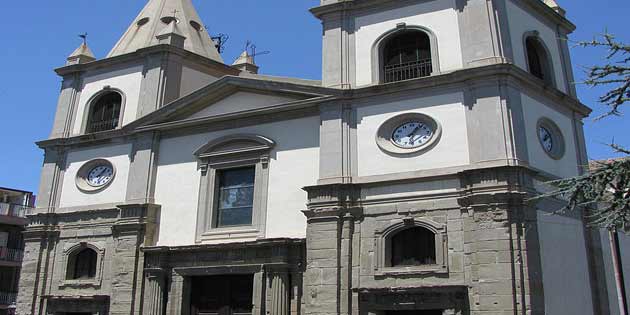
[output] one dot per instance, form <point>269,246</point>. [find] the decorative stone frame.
<point>549,72</point>
<point>386,130</point>
<point>225,153</point>
<point>383,240</point>
<point>68,265</point>
<point>81,177</point>
<point>92,101</point>
<point>378,77</point>
<point>559,146</point>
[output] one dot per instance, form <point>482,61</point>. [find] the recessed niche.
<point>196,26</point>
<point>168,19</point>
<point>142,21</point>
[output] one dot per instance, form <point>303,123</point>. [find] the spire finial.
<point>84,37</point>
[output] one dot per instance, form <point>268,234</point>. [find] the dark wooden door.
<point>415,312</point>
<point>222,295</point>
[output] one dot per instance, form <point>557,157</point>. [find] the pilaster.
<point>40,240</point>
<point>338,143</point>
<point>280,293</point>
<point>484,32</point>
<point>501,246</point>
<point>331,214</point>
<point>161,83</point>
<point>143,168</point>
<point>66,105</point>
<point>51,179</point>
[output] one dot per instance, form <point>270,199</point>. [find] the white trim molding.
<point>228,152</point>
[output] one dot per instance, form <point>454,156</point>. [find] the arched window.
<point>407,55</point>
<point>82,265</point>
<point>105,113</point>
<point>413,247</point>
<point>538,61</point>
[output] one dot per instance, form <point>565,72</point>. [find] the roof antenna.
<point>219,41</point>
<point>84,37</point>
<point>251,50</point>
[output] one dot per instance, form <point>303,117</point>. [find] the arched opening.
<point>538,59</point>
<point>82,265</point>
<point>413,247</point>
<point>407,55</point>
<point>105,113</point>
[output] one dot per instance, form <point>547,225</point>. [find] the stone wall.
<point>491,260</point>
<point>115,234</point>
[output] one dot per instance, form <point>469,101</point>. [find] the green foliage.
<point>615,73</point>
<point>604,191</point>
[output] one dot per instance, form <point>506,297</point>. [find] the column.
<point>280,294</point>
<point>154,292</point>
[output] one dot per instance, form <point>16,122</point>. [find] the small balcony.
<point>11,255</point>
<point>13,210</point>
<point>409,70</point>
<point>102,125</point>
<point>6,298</point>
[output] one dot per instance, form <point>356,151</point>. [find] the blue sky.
<point>38,35</point>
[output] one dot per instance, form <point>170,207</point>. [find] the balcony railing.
<point>14,210</point>
<point>409,70</point>
<point>11,254</point>
<point>103,125</point>
<point>7,298</point>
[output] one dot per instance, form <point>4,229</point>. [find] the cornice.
<point>508,74</point>
<point>353,5</point>
<point>140,54</point>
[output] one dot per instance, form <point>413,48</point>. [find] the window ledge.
<point>82,284</point>
<point>414,270</point>
<point>231,233</point>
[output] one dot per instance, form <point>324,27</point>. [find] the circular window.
<point>408,133</point>
<point>196,26</point>
<point>95,175</point>
<point>550,138</point>
<point>142,21</point>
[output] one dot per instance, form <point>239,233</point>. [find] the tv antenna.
<point>251,50</point>
<point>219,40</point>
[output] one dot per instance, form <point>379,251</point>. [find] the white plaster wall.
<point>564,265</point>
<point>294,164</point>
<point>241,101</point>
<point>565,167</point>
<point>521,22</point>
<point>127,80</point>
<point>118,155</point>
<point>451,150</point>
<point>438,16</point>
<point>193,80</point>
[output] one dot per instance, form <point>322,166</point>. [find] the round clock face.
<point>100,175</point>
<point>412,134</point>
<point>544,135</point>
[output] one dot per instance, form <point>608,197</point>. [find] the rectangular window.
<point>235,191</point>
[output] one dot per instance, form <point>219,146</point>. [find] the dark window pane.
<point>406,56</point>
<point>85,264</point>
<point>235,197</point>
<point>536,58</point>
<point>412,247</point>
<point>105,113</point>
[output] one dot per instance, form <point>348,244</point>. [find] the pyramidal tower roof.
<point>155,17</point>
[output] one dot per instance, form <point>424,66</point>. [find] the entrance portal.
<point>222,295</point>
<point>415,312</point>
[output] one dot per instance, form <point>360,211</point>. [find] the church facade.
<point>176,183</point>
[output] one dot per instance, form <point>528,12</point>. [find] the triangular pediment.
<point>232,96</point>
